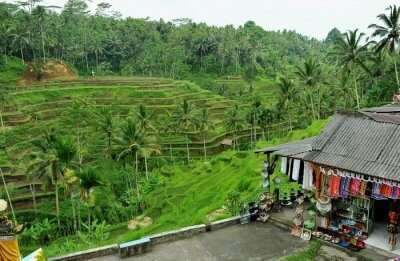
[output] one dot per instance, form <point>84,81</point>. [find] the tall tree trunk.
<point>43,49</point>
<point>79,215</point>
<point>73,212</point>
<point>109,145</point>
<point>137,175</point>
<point>356,92</point>
<point>57,204</point>
<point>22,55</point>
<point>187,148</point>
<point>145,167</point>
<point>97,59</point>
<point>32,189</point>
<point>204,148</point>
<point>3,129</point>
<point>312,105</point>
<point>8,196</point>
<point>397,74</point>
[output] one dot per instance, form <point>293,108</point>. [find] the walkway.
<point>255,241</point>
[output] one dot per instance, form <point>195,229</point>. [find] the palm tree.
<point>57,154</point>
<point>150,148</point>
<point>185,121</point>
<point>205,125</point>
<point>145,118</point>
<point>40,13</point>
<point>310,74</point>
<point>129,144</point>
<point>21,40</point>
<point>234,122</point>
<point>3,101</point>
<point>30,176</point>
<point>351,54</point>
<point>266,119</point>
<point>287,92</point>
<point>88,180</point>
<point>389,34</point>
<point>105,122</point>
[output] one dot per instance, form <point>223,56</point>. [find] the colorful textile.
<point>344,187</point>
<point>363,188</point>
<point>386,190</point>
<point>318,180</point>
<point>9,250</point>
<point>395,193</point>
<point>355,187</point>
<point>334,186</point>
<point>376,191</point>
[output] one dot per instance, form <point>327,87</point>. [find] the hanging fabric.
<point>334,186</point>
<point>344,187</point>
<point>290,168</point>
<point>283,165</point>
<point>308,176</point>
<point>355,186</point>
<point>363,188</point>
<point>296,169</point>
<point>386,190</point>
<point>376,191</point>
<point>318,179</point>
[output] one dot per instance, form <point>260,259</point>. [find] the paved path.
<point>251,242</point>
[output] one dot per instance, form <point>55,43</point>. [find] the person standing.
<point>393,225</point>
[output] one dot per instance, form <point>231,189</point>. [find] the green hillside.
<point>31,110</point>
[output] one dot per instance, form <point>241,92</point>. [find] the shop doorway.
<point>381,210</point>
<point>380,214</point>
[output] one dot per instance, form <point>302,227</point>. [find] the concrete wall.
<point>154,240</point>
<point>87,254</point>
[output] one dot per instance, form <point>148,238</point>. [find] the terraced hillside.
<point>35,108</point>
<point>236,88</point>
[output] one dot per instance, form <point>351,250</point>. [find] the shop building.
<point>352,170</point>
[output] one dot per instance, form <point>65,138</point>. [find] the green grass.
<point>313,130</point>
<point>10,69</point>
<point>184,198</point>
<point>308,254</point>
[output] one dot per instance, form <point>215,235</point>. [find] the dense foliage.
<point>92,154</point>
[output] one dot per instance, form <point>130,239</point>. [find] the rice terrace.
<point>156,138</point>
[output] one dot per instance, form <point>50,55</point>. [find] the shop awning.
<point>357,142</point>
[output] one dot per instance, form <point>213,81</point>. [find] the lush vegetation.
<point>80,158</point>
<point>175,196</point>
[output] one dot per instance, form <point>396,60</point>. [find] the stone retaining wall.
<point>87,254</point>
<point>154,240</point>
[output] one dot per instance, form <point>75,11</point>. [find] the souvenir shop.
<point>349,207</point>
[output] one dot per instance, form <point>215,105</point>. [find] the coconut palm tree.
<point>3,101</point>
<point>145,118</point>
<point>287,93</point>
<point>88,180</point>
<point>233,122</point>
<point>185,122</point>
<point>30,176</point>
<point>266,118</point>
<point>105,122</point>
<point>389,34</point>
<point>21,40</point>
<point>310,74</point>
<point>56,156</point>
<point>352,53</point>
<point>129,144</point>
<point>204,125</point>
